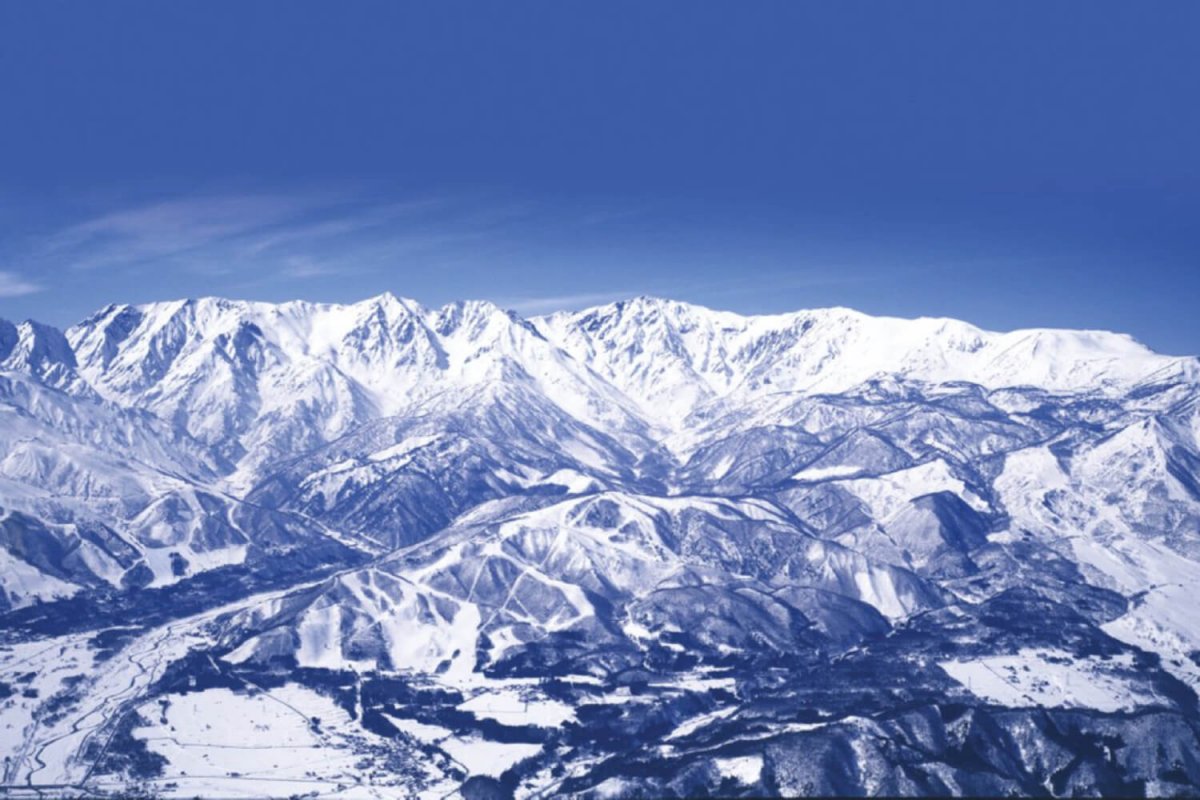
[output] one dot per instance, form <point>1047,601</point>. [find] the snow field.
<point>1052,678</point>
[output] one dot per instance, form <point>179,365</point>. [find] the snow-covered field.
<point>1052,678</point>
<point>513,707</point>
<point>280,742</point>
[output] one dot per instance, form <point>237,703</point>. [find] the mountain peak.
<point>672,358</point>
<point>43,352</point>
<point>439,507</point>
<point>666,358</point>
<point>393,302</point>
<point>35,345</point>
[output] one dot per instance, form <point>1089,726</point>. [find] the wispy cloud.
<point>13,285</point>
<point>175,227</point>
<point>252,238</point>
<point>301,268</point>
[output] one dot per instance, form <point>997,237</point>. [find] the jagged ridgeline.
<point>642,550</point>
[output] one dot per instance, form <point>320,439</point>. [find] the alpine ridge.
<point>643,549</point>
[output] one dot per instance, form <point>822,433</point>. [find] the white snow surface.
<point>673,357</point>
<point>746,770</point>
<point>289,740</point>
<point>132,443</point>
<point>1050,678</point>
<point>331,366</point>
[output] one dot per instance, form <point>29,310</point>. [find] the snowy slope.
<point>94,494</point>
<point>673,358</point>
<point>643,549</point>
<point>259,381</point>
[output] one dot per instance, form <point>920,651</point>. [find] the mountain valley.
<point>646,549</point>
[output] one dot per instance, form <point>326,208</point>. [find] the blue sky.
<point>1012,164</point>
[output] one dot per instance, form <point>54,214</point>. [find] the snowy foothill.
<point>377,549</point>
<point>1054,678</point>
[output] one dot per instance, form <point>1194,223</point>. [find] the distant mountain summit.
<point>646,548</point>
<point>221,362</point>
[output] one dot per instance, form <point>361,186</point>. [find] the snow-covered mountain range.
<point>646,549</point>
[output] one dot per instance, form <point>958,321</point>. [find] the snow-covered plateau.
<point>643,550</point>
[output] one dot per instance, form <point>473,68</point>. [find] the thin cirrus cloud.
<point>196,229</point>
<point>336,243</point>
<point>531,257</point>
<point>254,239</point>
<point>13,285</point>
